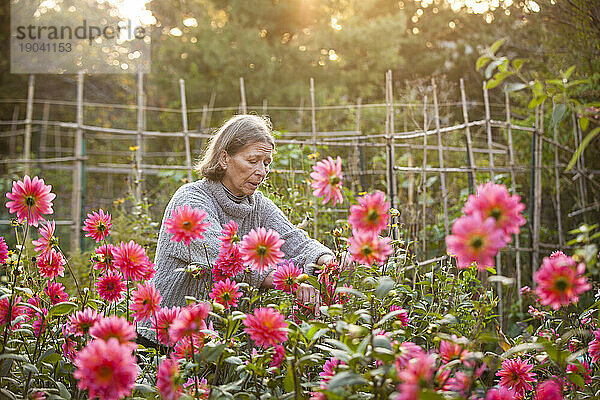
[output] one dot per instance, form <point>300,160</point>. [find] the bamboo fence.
<point>415,215</point>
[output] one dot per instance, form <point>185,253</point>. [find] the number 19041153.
<point>45,47</point>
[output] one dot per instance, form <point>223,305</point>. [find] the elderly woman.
<point>234,165</point>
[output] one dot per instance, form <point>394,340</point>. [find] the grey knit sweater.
<point>253,212</point>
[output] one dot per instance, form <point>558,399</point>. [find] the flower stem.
<point>194,363</point>
<point>74,278</point>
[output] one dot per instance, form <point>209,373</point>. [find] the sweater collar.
<point>230,207</point>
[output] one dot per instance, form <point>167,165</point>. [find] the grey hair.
<point>236,133</point>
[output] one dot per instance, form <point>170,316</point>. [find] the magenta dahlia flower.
<point>266,326</point>
<point>30,199</point>
<point>189,321</point>
<point>81,322</point>
<point>418,370</point>
<point>51,264</point>
<point>501,393</point>
<point>548,390</point>
<point>372,213</point>
<point>186,224</point>
<point>229,236</point>
<point>3,251</point>
<point>168,380</point>
<point>260,249</point>
<point>327,182</point>
<point>110,286</point>
<point>406,352</point>
<point>515,374</point>
<point>475,240</point>
<point>114,327</point>
<point>107,369</point>
<point>56,292</point>
<point>366,247</point>
<point>560,281</point>
<point>145,301</point>
<point>97,225</point>
<point>162,322</point>
<point>278,356</point>
<point>103,259</point>
<point>44,244</point>
<point>16,309</point>
<point>131,259</point>
<point>226,293</point>
<point>286,276</point>
<point>228,264</point>
<point>402,314</point>
<point>329,369</point>
<point>594,347</point>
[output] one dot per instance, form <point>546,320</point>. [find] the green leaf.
<point>521,348</point>
<point>513,87</point>
<point>345,378</point>
<point>234,360</point>
<point>481,62</point>
<point>490,68</point>
<point>586,140</point>
<point>146,389</point>
<point>385,285</point>
<point>576,379</point>
<point>497,79</point>
<point>536,101</point>
<point>584,123</point>
<point>496,45</point>
<point>62,308</point>
<point>288,381</point>
<point>518,63</point>
<point>558,113</point>
<point>568,72</point>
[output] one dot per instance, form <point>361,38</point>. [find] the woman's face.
<point>247,169</point>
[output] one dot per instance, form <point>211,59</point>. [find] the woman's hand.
<point>345,264</point>
<point>307,294</point>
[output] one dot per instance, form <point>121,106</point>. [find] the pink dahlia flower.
<point>229,236</point>
<point>557,253</point>
<point>40,324</point>
<point>103,258</point>
<point>560,281</point>
<point>116,328</point>
<point>168,381</point>
<point>453,349</point>
<point>329,369</point>
<point>44,244</point>
<point>131,259</point>
<point>110,286</point>
<point>51,264</point>
<point>286,276</point>
<point>145,301</point>
<point>583,369</point>
<point>366,247</point>
<point>81,322</point>
<point>186,224</point>
<point>327,177</point>
<point>189,321</point>
<point>372,213</point>
<point>56,292</point>
<point>3,251</point>
<point>183,348</point>
<point>278,356</point>
<point>402,315</point>
<point>476,240</point>
<point>515,374</point>
<point>594,347</point>
<point>107,369</point>
<point>162,322</point>
<point>228,264</point>
<point>97,225</point>
<point>226,293</point>
<point>501,393</point>
<point>266,327</point>
<point>548,390</point>
<point>493,200</point>
<point>260,249</point>
<point>406,352</point>
<point>30,198</point>
<point>418,370</point>
<point>16,309</point>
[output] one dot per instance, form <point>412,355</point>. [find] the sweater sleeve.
<point>298,245</point>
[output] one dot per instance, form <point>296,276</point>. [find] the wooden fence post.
<point>313,120</point>
<point>28,117</point>
<point>243,96</point>
<point>77,170</point>
<point>465,111</point>
<point>139,137</point>
<point>186,137</point>
<point>424,178</point>
<point>441,157</point>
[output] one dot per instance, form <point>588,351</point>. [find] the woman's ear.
<point>223,159</point>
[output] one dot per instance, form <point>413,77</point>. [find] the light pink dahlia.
<point>266,326</point>
<point>145,301</point>
<point>560,281</point>
<point>367,248</point>
<point>168,380</point>
<point>44,244</point>
<point>189,321</point>
<point>229,236</point>
<point>103,258</point>
<point>493,200</point>
<point>56,292</point>
<point>114,327</point>
<point>327,182</point>
<point>51,264</point>
<point>3,251</point>
<point>107,369</point>
<point>81,322</point>
<point>260,249</point>
<point>110,286</point>
<point>30,198</point>
<point>162,322</point>
<point>475,240</point>
<point>402,314</point>
<point>186,224</point>
<point>286,276</point>
<point>226,293</point>
<point>372,213</point>
<point>594,347</point>
<point>131,259</point>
